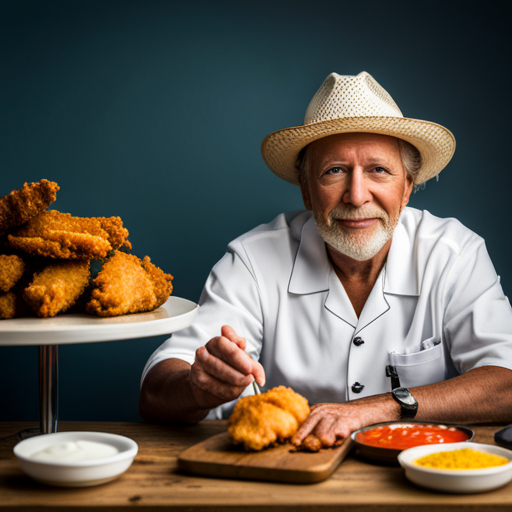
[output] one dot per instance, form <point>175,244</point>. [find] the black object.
<point>408,404</point>
<point>357,388</point>
<point>395,380</point>
<point>358,341</point>
<point>504,437</point>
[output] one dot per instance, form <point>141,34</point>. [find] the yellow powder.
<point>466,458</point>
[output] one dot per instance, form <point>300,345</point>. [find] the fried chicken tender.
<point>11,270</point>
<point>63,246</point>
<point>57,287</point>
<point>7,305</point>
<point>312,443</point>
<point>126,284</point>
<point>21,205</point>
<point>12,305</point>
<point>117,234</point>
<point>60,235</point>
<point>161,281</point>
<point>259,421</point>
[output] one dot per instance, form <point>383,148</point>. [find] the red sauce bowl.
<point>383,442</point>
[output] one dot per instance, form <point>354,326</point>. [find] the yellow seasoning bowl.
<point>453,467</point>
<point>466,458</point>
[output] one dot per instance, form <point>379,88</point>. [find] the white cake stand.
<point>49,333</point>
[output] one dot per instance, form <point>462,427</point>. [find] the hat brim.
<point>435,143</point>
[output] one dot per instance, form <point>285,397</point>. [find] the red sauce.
<point>400,437</point>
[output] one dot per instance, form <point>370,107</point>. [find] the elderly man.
<point>371,310</point>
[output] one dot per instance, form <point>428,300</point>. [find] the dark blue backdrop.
<point>155,111</point>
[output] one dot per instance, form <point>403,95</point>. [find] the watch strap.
<point>407,411</point>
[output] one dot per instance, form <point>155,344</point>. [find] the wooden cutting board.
<point>217,457</point>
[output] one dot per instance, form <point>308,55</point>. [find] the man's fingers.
<point>259,373</point>
<point>305,429</point>
<point>213,387</point>
<point>331,423</point>
<point>220,370</point>
<point>324,430</point>
<point>224,358</point>
<point>229,352</point>
<point>341,432</point>
<point>228,332</point>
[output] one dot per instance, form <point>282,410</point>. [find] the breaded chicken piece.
<point>161,281</point>
<point>21,205</point>
<point>60,235</point>
<point>310,444</point>
<point>313,444</point>
<point>65,245</point>
<point>7,305</point>
<point>287,399</point>
<point>57,287</point>
<point>12,305</point>
<point>11,270</point>
<point>126,284</point>
<point>259,421</point>
<point>117,234</point>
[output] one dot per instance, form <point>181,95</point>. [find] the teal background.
<point>155,111</point>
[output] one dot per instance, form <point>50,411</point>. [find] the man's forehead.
<point>373,146</point>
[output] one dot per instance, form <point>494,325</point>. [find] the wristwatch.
<point>408,404</point>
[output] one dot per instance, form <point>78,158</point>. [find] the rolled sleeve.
<point>230,297</point>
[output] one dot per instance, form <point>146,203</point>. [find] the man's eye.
<point>334,170</point>
<point>380,170</point>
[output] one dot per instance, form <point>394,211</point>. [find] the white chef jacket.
<point>276,287</point>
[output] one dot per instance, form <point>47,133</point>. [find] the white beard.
<point>356,244</point>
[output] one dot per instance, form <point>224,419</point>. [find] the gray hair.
<point>411,159</point>
<point>410,156</point>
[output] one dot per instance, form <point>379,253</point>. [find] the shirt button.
<point>358,341</point>
<point>357,388</point>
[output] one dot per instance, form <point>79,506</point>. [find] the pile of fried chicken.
<point>261,421</point>
<point>46,258</point>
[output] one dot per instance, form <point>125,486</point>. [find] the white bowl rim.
<point>435,448</point>
<point>131,450</point>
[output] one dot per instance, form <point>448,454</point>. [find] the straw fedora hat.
<point>345,104</point>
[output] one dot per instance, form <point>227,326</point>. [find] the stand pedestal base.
<point>48,388</point>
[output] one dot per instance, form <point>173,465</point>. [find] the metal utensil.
<point>257,390</point>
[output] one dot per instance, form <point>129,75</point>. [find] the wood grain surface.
<point>155,483</point>
<point>217,457</point>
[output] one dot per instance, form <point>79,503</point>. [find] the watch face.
<point>404,396</point>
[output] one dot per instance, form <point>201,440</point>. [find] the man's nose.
<point>357,192</point>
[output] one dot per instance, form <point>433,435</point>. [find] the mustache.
<point>349,212</point>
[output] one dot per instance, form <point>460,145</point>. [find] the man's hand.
<point>481,395</point>
<point>332,423</point>
<point>222,370</point>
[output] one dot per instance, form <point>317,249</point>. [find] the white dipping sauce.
<point>72,451</point>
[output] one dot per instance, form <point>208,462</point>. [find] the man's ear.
<point>409,185</point>
<point>304,189</point>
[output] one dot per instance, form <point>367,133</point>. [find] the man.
<point>371,310</point>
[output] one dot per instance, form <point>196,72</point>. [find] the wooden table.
<point>153,482</point>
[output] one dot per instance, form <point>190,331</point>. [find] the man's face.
<point>356,187</point>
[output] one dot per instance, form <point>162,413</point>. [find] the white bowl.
<point>77,473</point>
<point>462,481</point>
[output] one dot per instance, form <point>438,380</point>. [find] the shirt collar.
<point>311,269</point>
<point>310,273</point>
<point>402,276</point>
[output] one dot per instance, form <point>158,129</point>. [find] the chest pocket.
<point>420,368</point>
